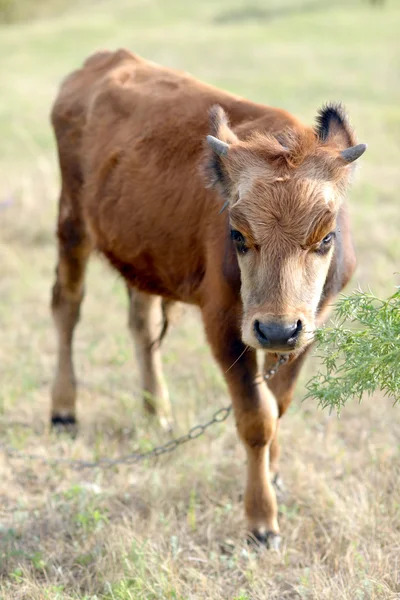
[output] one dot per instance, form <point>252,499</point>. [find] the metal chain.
<point>271,372</point>
<point>195,432</point>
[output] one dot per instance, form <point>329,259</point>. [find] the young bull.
<point>140,186</point>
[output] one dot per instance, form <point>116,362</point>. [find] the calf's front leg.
<point>256,415</point>
<point>256,427</point>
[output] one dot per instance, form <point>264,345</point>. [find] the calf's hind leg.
<point>73,253</point>
<point>282,385</point>
<point>148,322</point>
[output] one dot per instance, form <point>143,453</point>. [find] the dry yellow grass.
<point>174,529</point>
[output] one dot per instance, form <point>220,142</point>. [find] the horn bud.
<point>219,147</point>
<point>351,154</point>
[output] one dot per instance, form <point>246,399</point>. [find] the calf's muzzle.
<point>277,335</point>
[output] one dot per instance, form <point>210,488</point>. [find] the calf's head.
<point>283,193</point>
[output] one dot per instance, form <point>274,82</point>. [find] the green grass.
<point>12,11</point>
<point>175,529</point>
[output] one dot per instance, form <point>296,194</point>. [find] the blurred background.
<point>175,530</point>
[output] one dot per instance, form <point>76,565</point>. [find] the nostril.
<point>259,331</point>
<point>295,332</point>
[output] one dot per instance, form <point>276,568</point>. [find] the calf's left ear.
<point>333,127</point>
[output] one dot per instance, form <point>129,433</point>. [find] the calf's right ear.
<point>219,141</point>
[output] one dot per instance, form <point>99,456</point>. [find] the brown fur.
<point>134,166</point>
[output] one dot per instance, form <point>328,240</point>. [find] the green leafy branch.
<point>360,352</point>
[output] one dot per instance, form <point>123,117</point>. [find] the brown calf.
<point>141,186</point>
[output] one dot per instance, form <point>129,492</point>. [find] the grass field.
<point>175,529</point>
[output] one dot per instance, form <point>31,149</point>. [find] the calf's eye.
<point>239,241</point>
<point>237,236</point>
<point>326,243</point>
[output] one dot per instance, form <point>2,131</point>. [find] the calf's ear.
<point>219,125</point>
<point>333,128</point>
<point>219,142</point>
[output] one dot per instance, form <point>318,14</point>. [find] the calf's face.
<point>283,194</point>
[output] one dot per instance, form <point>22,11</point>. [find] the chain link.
<point>195,432</point>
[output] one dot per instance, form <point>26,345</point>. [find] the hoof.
<point>270,539</point>
<point>66,423</point>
